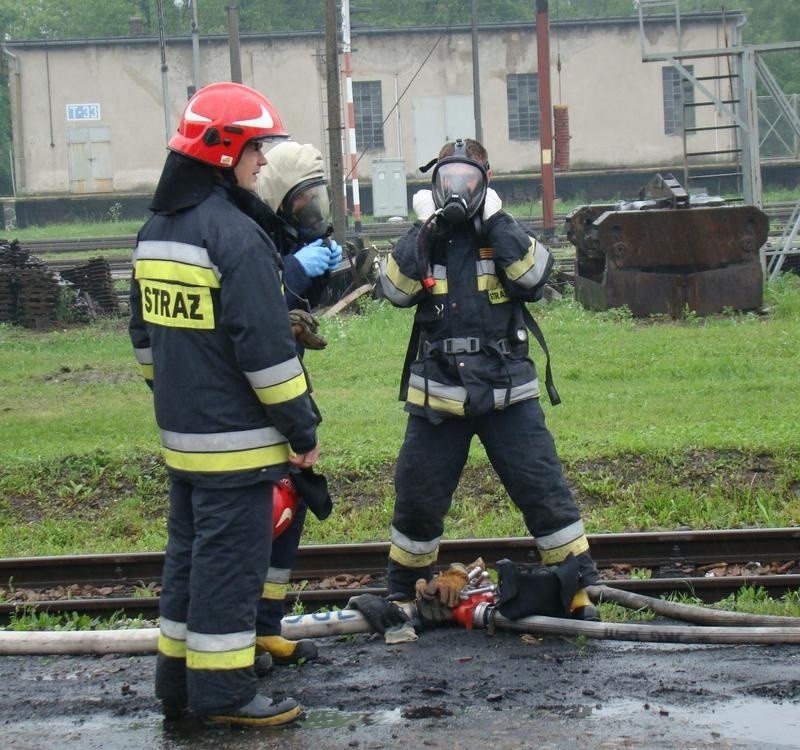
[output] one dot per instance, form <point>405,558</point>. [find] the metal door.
<point>89,153</point>
<point>439,119</point>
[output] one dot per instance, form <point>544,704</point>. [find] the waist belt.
<point>463,345</point>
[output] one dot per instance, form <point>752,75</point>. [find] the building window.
<point>522,91</point>
<point>369,114</point>
<point>674,104</point>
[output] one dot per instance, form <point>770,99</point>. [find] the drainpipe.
<point>545,110</point>
<point>16,114</point>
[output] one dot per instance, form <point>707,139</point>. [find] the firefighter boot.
<point>581,607</point>
<point>285,652</point>
<point>259,712</point>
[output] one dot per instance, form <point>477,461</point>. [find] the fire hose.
<point>476,610</point>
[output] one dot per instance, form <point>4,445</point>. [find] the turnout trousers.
<point>522,452</point>
<point>271,606</point>
<point>214,569</point>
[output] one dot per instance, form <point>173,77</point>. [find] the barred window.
<point>369,114</point>
<point>522,91</point>
<point>674,109</point>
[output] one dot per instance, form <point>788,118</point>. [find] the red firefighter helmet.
<point>220,119</point>
<point>285,499</point>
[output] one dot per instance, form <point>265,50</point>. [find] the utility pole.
<point>351,114</point>
<point>476,76</point>
<point>334,121</point>
<point>164,69</point>
<point>233,41</point>
<point>545,121</point>
<point>195,46</point>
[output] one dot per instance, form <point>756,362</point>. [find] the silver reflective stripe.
<point>486,268</point>
<point>439,272</point>
<point>276,374</point>
<point>535,273</point>
<point>279,575</point>
<point>178,252</point>
<point>172,629</point>
<point>450,392</point>
<point>409,545</point>
<point>219,642</point>
<point>216,442</point>
<point>518,393</point>
<point>562,536</point>
<point>144,356</point>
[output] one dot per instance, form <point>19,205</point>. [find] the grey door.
<point>89,153</point>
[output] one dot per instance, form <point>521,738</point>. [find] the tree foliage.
<point>768,21</point>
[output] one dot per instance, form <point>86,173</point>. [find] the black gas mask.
<point>307,208</point>
<point>459,186</point>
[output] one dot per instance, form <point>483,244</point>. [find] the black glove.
<point>380,613</point>
<point>543,591</point>
<point>304,328</point>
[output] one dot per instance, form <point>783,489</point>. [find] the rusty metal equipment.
<point>668,252</point>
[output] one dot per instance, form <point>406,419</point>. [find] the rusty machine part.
<point>668,252</point>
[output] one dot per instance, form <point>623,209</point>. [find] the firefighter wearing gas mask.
<point>293,187</point>
<point>469,269</point>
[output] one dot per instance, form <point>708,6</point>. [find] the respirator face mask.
<point>307,208</point>
<point>459,188</point>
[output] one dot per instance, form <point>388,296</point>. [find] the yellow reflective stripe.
<point>402,283</point>
<point>171,647</point>
<point>522,266</point>
<point>437,403</point>
<point>410,559</point>
<point>146,371</point>
<point>276,591</point>
<point>255,458</point>
<point>239,659</point>
<point>282,392</point>
<point>183,273</point>
<point>440,287</point>
<point>559,554</point>
<point>488,281</point>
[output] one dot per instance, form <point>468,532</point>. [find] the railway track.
<point>707,564</point>
<point>777,212</point>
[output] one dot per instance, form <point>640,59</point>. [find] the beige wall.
<point>614,99</point>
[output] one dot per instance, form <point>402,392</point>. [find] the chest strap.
<point>463,345</point>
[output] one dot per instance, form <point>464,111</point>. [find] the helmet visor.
<point>309,210</point>
<point>464,181</point>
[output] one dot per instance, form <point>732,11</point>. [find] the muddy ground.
<point>451,689</point>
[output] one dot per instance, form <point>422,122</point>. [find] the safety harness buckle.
<point>463,345</point>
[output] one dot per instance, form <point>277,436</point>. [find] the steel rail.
<point>666,554</point>
<point>378,230</point>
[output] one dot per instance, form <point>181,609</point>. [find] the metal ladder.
<point>789,244</point>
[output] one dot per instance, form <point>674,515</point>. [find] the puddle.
<point>330,718</point>
<point>745,721</point>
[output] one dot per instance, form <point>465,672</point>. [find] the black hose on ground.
<point>687,612</point>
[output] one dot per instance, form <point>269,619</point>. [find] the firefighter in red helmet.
<point>211,332</point>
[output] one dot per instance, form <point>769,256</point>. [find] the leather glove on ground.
<point>445,587</point>
<point>380,613</point>
<point>314,258</point>
<point>336,254</point>
<point>304,328</point>
<point>424,207</point>
<point>491,204</point>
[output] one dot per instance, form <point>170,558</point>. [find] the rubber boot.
<point>259,712</point>
<point>285,652</point>
<point>581,607</point>
<point>263,664</point>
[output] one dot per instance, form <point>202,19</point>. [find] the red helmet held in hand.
<point>220,119</point>
<point>285,499</point>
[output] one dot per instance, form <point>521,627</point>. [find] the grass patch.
<point>664,425</point>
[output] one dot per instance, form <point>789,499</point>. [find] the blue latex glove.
<point>336,254</point>
<point>314,258</point>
